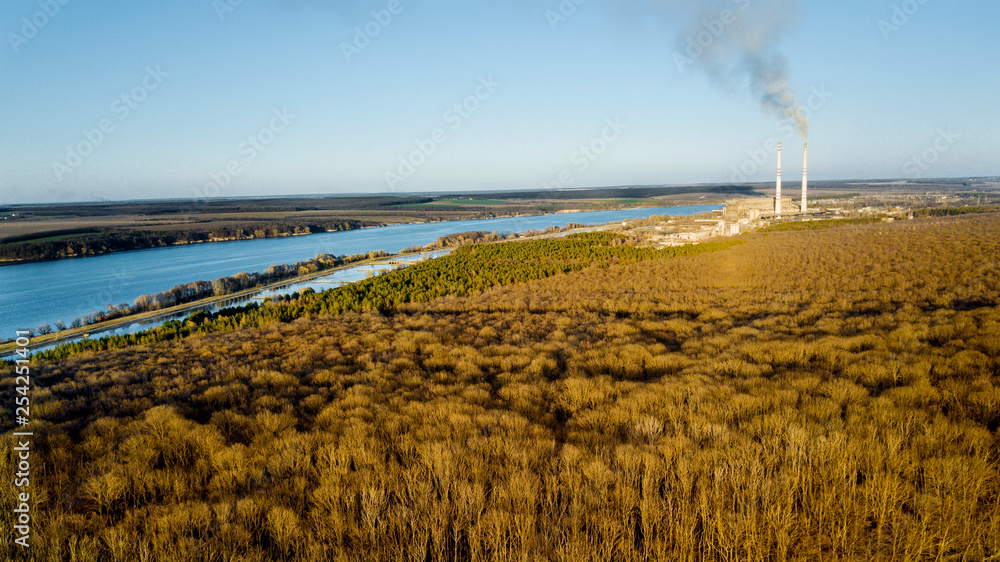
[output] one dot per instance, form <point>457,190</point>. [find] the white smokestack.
<point>805,175</point>
<point>777,191</point>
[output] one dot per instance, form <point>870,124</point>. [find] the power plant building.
<point>755,208</point>
<point>805,177</point>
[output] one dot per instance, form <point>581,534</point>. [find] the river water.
<point>32,294</point>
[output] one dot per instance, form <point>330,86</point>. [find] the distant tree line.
<point>457,239</point>
<point>620,192</point>
<point>483,237</point>
<point>209,206</point>
<point>93,242</point>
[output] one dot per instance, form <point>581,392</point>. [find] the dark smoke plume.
<point>735,43</point>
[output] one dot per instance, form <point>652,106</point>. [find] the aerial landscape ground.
<point>579,398</point>
<point>397,281</point>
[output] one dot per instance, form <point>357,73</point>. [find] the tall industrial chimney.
<point>805,175</point>
<point>777,191</point>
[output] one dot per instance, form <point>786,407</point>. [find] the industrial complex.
<point>889,200</point>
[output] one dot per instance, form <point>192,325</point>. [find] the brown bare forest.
<point>807,395</point>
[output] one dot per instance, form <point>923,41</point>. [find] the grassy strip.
<point>51,238</point>
<point>832,223</point>
<point>952,211</point>
<point>818,225</point>
<point>470,202</point>
<point>833,196</point>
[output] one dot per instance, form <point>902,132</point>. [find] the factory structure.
<point>748,214</point>
<point>804,208</point>
<point>777,190</point>
<point>752,209</point>
<point>739,215</point>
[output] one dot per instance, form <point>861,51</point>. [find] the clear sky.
<point>121,99</point>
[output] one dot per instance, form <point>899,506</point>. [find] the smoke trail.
<point>734,43</point>
<point>769,82</point>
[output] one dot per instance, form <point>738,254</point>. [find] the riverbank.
<point>71,334</point>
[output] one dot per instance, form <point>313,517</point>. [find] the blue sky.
<point>260,99</point>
